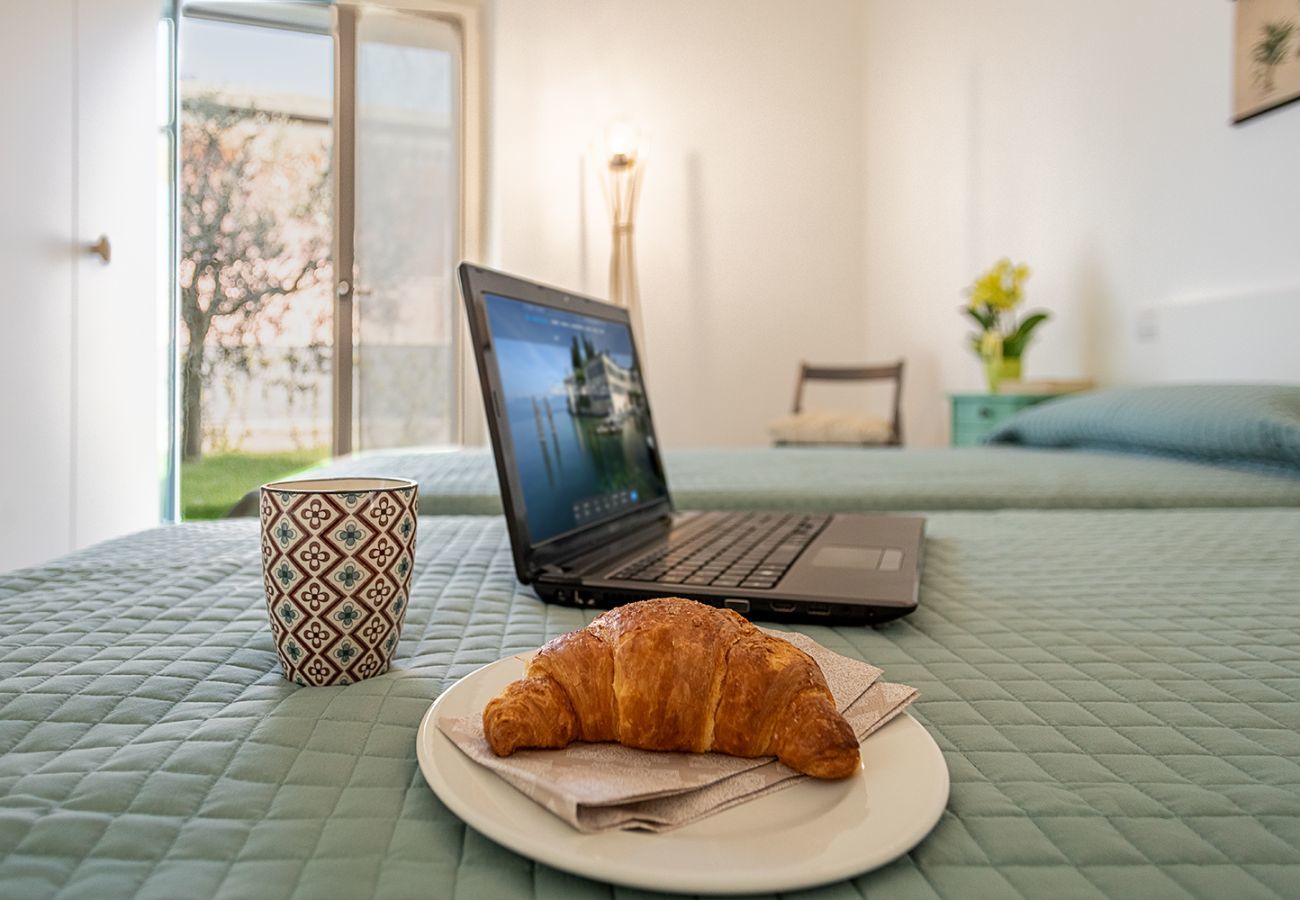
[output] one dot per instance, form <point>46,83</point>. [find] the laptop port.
<point>778,607</point>
<point>739,605</point>
<point>818,609</point>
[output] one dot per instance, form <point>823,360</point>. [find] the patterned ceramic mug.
<point>337,555</point>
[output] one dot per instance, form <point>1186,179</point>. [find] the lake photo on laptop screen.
<point>577,412</point>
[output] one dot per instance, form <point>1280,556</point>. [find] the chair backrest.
<point>885,372</point>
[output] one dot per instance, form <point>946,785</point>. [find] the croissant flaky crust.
<point>673,674</point>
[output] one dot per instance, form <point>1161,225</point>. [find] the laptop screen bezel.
<point>532,558</point>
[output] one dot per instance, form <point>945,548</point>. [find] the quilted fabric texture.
<point>464,482</point>
<point>1117,695</point>
<point>1220,422</point>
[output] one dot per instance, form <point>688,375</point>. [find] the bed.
<point>464,481</point>
<point>1163,447</point>
<point>1116,693</point>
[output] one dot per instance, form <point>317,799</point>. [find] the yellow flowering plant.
<point>993,299</point>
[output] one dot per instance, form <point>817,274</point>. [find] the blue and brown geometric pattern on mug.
<point>350,534</point>
<point>317,594</point>
<point>337,556</point>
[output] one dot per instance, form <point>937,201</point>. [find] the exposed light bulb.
<point>621,141</point>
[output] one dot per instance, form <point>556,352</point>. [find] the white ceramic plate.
<point>810,834</point>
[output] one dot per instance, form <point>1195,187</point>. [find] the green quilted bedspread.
<point>464,482</point>
<point>1117,695</point>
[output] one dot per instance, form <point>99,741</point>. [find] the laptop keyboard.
<point>749,550</point>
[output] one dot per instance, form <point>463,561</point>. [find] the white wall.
<point>1089,138</point>
<point>749,237</point>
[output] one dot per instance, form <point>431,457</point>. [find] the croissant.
<point>673,674</point>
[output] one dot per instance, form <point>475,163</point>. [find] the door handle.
<point>101,248</point>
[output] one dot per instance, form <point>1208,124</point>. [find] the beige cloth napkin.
<point>600,787</point>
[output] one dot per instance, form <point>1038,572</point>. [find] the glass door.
<point>255,298</point>
<point>401,103</point>
<point>320,219</point>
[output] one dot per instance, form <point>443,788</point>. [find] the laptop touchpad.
<point>849,556</point>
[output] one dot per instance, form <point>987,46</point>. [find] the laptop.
<point>586,499</point>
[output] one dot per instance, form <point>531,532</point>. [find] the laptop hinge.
<point>557,574</point>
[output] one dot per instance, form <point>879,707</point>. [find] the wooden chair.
<point>809,428</point>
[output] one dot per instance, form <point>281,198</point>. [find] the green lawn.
<point>211,486</point>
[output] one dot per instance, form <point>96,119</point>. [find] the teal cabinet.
<point>975,415</point>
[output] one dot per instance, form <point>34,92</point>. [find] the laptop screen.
<point>577,413</point>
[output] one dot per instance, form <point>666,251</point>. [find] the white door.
<point>120,347</point>
<point>80,364</point>
<point>36,254</point>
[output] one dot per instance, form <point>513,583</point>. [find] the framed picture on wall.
<point>1266,56</point>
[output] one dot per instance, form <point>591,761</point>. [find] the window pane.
<point>407,227</point>
<point>256,286</point>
